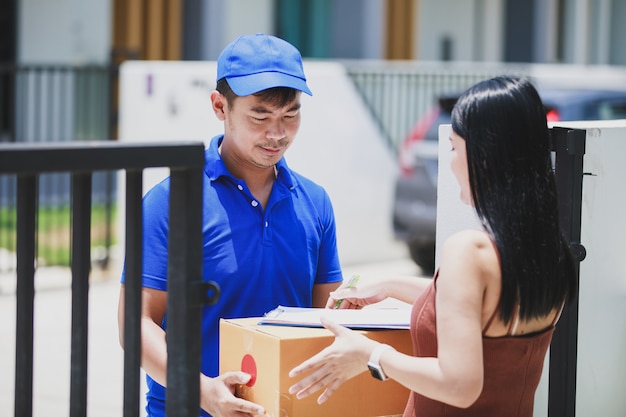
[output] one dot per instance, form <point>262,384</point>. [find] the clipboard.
<point>363,319</point>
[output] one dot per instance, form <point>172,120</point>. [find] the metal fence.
<point>56,103</point>
<point>397,93</point>
<point>187,291</point>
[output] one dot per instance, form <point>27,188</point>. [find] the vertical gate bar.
<point>184,315</point>
<point>108,212</point>
<point>25,293</point>
<point>132,292</point>
<point>81,262</point>
<point>11,111</point>
<point>569,146</point>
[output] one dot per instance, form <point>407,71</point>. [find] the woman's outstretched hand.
<point>356,297</point>
<point>344,359</point>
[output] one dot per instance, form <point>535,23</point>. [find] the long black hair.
<point>503,122</point>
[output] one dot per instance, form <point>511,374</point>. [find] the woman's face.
<point>458,163</point>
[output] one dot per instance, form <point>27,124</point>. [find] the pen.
<point>351,283</point>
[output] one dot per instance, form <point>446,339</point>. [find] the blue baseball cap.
<point>252,63</point>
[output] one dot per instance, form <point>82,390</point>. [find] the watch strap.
<point>375,359</point>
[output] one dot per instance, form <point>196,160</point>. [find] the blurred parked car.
<point>415,204</point>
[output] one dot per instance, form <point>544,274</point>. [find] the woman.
<point>482,326</point>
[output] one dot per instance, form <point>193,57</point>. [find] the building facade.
<point>103,31</point>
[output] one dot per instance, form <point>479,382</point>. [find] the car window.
<point>610,110</point>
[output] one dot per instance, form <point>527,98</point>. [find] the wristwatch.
<point>374,363</point>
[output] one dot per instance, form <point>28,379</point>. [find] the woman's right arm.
<point>403,288</point>
<point>455,375</point>
<point>407,289</point>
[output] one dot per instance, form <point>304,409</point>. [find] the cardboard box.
<point>275,350</point>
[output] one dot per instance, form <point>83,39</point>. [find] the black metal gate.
<point>187,292</point>
<point>569,148</point>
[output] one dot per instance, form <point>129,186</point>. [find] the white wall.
<point>452,214</point>
<point>455,19</point>
<point>489,36</point>
<point>64,31</point>
<point>338,145</point>
<point>248,17</point>
<point>582,76</point>
<point>602,312</point>
<point>223,21</point>
<point>435,22</point>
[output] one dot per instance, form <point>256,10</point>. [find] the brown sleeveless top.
<point>513,367</point>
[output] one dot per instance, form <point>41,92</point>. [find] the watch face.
<point>377,373</point>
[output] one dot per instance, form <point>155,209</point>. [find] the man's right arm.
<point>216,394</point>
<point>153,345</point>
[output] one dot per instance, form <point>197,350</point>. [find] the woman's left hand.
<point>344,359</point>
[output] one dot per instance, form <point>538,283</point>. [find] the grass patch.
<point>54,231</point>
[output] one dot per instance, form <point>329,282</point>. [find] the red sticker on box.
<point>248,365</point>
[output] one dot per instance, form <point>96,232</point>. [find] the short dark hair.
<point>503,123</point>
<point>279,96</point>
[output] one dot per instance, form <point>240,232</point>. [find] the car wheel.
<point>423,254</point>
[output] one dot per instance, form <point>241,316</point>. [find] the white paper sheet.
<point>367,318</point>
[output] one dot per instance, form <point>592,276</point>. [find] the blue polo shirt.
<point>259,257</point>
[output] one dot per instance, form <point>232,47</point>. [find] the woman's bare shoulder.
<point>469,239</point>
<point>472,248</point>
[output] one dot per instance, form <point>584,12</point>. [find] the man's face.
<point>258,132</point>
